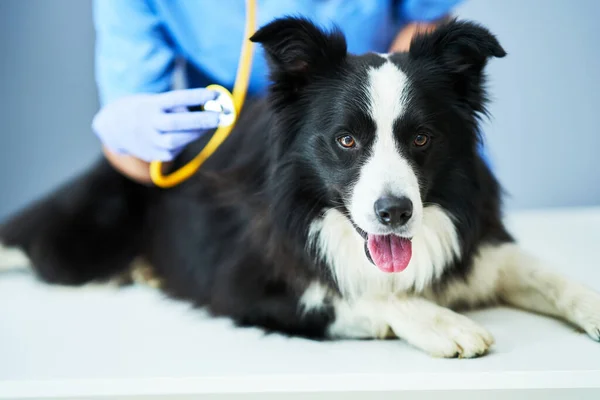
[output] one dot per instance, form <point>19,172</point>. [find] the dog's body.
<point>352,203</point>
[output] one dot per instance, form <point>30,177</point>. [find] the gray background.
<point>543,137</point>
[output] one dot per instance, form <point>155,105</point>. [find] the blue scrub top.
<point>139,41</point>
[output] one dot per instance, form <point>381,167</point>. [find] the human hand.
<point>404,38</point>
<point>154,126</point>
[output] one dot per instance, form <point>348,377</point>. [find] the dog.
<point>351,202</point>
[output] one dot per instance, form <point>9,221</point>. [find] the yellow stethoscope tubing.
<point>238,96</point>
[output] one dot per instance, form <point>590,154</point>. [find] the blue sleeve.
<point>133,53</point>
<point>426,10</point>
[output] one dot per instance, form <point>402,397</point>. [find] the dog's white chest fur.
<point>435,246</point>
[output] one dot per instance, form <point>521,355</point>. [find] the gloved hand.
<point>155,126</point>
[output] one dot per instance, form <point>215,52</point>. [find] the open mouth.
<point>390,253</point>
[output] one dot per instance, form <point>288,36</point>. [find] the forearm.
<point>402,41</point>
<point>128,165</point>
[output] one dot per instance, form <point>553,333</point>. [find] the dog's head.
<point>376,136</point>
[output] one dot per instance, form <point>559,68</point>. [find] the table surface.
<point>57,341</point>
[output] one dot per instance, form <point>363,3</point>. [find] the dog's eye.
<point>421,140</point>
<point>346,141</point>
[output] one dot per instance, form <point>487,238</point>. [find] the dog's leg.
<point>437,330</point>
<point>280,310</point>
<point>524,282</point>
<point>507,274</point>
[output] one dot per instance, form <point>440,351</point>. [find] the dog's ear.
<point>460,47</point>
<point>296,49</point>
<point>460,51</point>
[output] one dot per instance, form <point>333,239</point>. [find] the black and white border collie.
<point>352,202</point>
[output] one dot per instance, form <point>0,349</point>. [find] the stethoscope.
<point>227,104</point>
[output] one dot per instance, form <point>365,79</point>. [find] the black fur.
<point>233,238</point>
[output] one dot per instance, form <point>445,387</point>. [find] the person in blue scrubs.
<point>140,44</point>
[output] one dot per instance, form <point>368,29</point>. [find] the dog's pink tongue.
<point>390,253</point>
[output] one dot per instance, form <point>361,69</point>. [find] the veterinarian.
<point>139,43</point>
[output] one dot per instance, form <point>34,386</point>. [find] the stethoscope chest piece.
<point>223,105</point>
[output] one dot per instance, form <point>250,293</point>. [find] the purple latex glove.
<point>155,127</point>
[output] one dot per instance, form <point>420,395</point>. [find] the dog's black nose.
<point>393,211</point>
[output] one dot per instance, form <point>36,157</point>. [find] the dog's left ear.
<point>297,49</point>
<point>460,50</point>
<point>459,46</point>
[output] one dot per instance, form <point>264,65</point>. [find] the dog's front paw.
<point>584,311</point>
<point>444,333</point>
<point>453,335</point>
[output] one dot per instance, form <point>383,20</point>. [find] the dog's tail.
<point>88,230</point>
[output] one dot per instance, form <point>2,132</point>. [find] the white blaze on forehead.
<point>386,171</point>
<point>387,95</point>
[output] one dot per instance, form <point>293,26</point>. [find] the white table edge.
<point>497,380</point>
